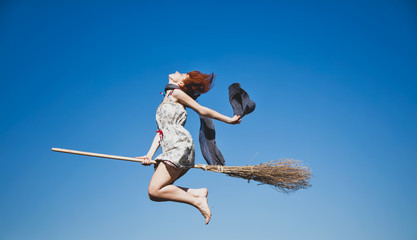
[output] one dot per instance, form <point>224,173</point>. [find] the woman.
<point>178,155</point>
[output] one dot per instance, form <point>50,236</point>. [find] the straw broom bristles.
<point>284,175</point>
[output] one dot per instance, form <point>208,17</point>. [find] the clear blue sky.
<point>334,83</point>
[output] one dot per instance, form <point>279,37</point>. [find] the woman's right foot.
<point>204,208</point>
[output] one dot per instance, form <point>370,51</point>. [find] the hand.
<point>236,119</point>
<point>146,160</point>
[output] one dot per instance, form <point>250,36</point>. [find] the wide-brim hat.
<point>240,100</point>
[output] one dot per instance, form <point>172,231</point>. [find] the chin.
<point>170,80</point>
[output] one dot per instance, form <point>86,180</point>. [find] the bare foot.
<point>204,208</point>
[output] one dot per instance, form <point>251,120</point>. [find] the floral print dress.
<point>176,142</point>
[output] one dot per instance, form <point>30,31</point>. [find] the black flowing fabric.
<point>208,144</point>
<point>241,104</point>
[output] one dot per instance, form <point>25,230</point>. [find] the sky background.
<point>334,83</point>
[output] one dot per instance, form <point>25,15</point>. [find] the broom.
<point>285,175</point>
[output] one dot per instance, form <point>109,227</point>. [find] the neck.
<point>175,86</point>
<point>172,82</point>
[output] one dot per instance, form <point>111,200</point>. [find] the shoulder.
<point>179,94</point>
<point>183,98</point>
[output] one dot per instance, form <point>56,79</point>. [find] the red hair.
<point>198,83</point>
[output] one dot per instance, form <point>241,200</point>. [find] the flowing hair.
<point>198,83</point>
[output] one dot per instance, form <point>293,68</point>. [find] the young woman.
<point>178,155</point>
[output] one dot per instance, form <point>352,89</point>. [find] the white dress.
<point>176,142</point>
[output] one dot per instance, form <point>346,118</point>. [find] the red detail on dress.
<point>160,133</point>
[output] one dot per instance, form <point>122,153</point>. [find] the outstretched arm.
<point>186,100</point>
<point>148,157</point>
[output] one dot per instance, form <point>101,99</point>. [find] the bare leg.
<point>161,189</point>
<point>201,192</point>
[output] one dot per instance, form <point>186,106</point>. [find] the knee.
<point>153,193</point>
<point>153,198</point>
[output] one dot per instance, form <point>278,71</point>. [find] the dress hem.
<point>172,164</point>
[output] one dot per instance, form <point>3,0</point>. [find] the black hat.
<point>240,101</point>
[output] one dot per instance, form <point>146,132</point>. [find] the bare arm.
<point>151,152</point>
<point>154,146</point>
<point>186,100</point>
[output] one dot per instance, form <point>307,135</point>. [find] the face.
<point>177,77</point>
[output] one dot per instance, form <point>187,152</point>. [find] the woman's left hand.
<point>236,119</point>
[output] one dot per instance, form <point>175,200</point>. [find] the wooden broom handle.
<point>99,155</point>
